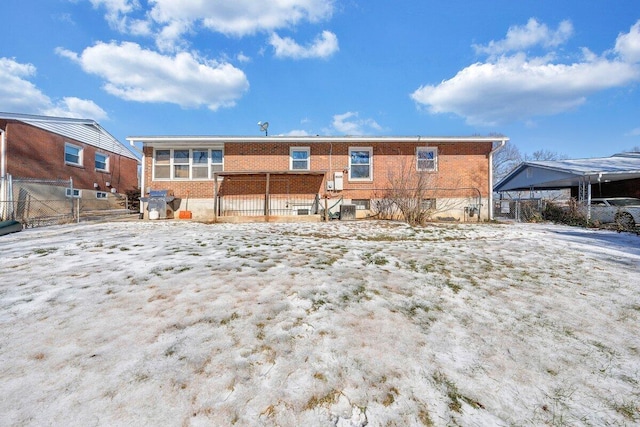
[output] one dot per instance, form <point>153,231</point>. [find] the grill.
<point>159,204</point>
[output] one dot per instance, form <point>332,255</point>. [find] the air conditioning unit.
<point>347,212</point>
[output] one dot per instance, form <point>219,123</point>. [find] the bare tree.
<point>510,157</point>
<point>411,196</point>
<point>505,160</point>
<point>542,155</point>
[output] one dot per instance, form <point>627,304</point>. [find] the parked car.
<point>624,211</point>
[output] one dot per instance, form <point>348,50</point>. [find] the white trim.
<point>106,162</point>
<point>308,159</point>
<point>76,193</point>
<point>370,164</point>
<point>80,154</point>
<point>172,163</point>
<point>193,139</point>
<point>435,159</point>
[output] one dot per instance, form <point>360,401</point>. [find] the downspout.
<point>3,154</point>
<point>502,143</point>
<point>142,193</point>
<point>3,176</point>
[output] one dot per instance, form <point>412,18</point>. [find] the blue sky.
<point>560,75</point>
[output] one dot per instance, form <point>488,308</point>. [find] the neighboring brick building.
<point>56,148</point>
<point>282,176</point>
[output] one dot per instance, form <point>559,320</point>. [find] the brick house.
<point>40,148</point>
<point>217,177</point>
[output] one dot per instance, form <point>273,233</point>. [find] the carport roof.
<point>557,174</point>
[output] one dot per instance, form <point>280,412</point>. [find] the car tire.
<point>625,220</point>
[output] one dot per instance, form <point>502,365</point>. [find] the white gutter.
<point>190,139</point>
<point>503,142</point>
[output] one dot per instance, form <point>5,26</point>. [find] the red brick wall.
<point>459,165</point>
<point>36,153</point>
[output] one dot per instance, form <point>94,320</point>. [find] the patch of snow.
<point>339,323</point>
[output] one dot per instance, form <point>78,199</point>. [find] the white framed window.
<point>428,204</point>
<point>199,163</point>
<point>72,154</point>
<point>187,163</point>
<point>217,160</point>
<point>360,163</point>
<point>101,195</point>
<point>426,159</point>
<point>299,158</point>
<point>102,162</point>
<point>361,204</point>
<point>181,164</point>
<point>73,192</point>
<point>162,164</point>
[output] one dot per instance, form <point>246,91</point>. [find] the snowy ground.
<point>345,323</point>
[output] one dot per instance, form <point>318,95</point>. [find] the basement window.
<point>361,204</point>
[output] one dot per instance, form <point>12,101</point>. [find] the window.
<point>162,168</point>
<point>216,161</point>
<point>361,204</point>
<point>101,195</point>
<point>102,162</point>
<point>187,163</point>
<point>427,159</point>
<point>299,158</point>
<point>360,164</point>
<point>428,204</point>
<point>72,154</point>
<point>200,164</point>
<point>73,192</point>
<point>181,164</point>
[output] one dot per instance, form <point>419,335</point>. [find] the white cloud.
<point>323,46</point>
<point>242,17</point>
<point>241,57</point>
<point>169,21</point>
<point>117,11</point>
<point>634,132</point>
<point>349,123</point>
<point>628,45</point>
<point>523,37</point>
<point>297,132</point>
<point>518,87</point>
<point>19,95</point>
<point>136,74</point>
<point>78,108</point>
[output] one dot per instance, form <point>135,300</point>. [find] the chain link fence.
<point>42,202</point>
<point>519,210</point>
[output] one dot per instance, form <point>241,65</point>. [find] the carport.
<point>615,176</point>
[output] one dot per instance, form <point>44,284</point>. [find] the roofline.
<point>34,117</point>
<point>308,139</point>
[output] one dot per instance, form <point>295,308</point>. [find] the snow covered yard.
<point>341,323</point>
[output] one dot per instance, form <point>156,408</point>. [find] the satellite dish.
<point>263,127</point>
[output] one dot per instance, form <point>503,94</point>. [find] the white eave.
<point>190,140</point>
